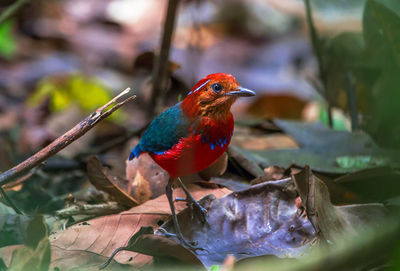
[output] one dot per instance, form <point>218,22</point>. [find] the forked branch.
<point>60,143</point>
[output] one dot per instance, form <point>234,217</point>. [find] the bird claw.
<point>199,210</point>
<point>195,209</point>
<point>189,244</point>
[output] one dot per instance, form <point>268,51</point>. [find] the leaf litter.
<point>264,219</point>
<point>330,154</point>
<point>105,234</point>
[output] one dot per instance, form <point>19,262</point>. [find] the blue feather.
<point>212,145</point>
<point>220,142</point>
<point>165,131</point>
<point>135,152</point>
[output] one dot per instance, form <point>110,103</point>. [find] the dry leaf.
<point>332,221</point>
<point>151,180</point>
<point>261,220</point>
<point>270,174</point>
<point>64,260</point>
<point>102,179</point>
<point>105,234</point>
<point>283,106</point>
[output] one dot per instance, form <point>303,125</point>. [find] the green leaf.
<point>384,125</point>
<point>339,121</point>
<point>361,161</point>
<point>85,92</point>
<point>7,42</point>
<point>27,258</point>
<point>346,54</point>
<point>12,226</point>
<point>381,24</point>
<point>347,49</point>
<point>35,254</point>
<point>319,147</point>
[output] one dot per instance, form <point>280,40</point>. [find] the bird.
<point>191,135</point>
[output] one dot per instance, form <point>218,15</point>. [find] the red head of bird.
<point>191,135</point>
<point>213,96</point>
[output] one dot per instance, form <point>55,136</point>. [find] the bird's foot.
<point>195,209</point>
<point>198,210</point>
<point>189,244</point>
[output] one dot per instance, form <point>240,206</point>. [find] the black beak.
<point>241,92</point>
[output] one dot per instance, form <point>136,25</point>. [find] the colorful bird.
<point>191,135</point>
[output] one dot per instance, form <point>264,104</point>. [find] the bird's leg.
<point>193,204</point>
<point>174,217</point>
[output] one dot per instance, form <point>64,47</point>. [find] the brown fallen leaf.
<point>105,234</point>
<point>102,179</point>
<point>330,221</point>
<point>64,260</point>
<point>260,220</point>
<point>283,106</point>
<point>270,174</point>
<point>145,179</point>
<point>157,246</point>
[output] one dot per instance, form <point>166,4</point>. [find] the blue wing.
<point>163,132</point>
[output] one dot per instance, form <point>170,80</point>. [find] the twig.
<point>352,102</point>
<point>10,202</point>
<point>60,143</point>
<point>161,62</point>
<point>316,42</point>
<point>91,209</point>
<point>11,10</point>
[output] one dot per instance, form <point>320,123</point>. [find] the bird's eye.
<point>216,88</point>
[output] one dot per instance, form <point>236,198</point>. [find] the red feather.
<point>206,110</point>
<point>193,154</point>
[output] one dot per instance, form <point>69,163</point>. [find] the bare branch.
<point>60,143</point>
<point>161,62</point>
<point>316,42</point>
<point>11,10</point>
<point>91,209</point>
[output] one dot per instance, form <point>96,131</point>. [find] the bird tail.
<point>135,152</point>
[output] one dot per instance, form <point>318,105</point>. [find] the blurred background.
<point>79,53</point>
<point>57,55</point>
<point>332,62</point>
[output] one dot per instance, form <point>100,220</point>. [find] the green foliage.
<point>361,161</point>
<point>85,92</point>
<point>35,254</point>
<point>339,121</point>
<point>372,59</point>
<point>12,226</point>
<point>8,45</point>
<point>381,24</point>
